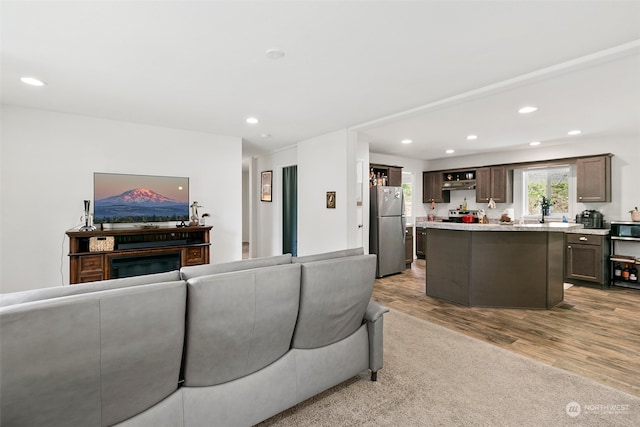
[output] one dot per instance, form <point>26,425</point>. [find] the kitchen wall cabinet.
<point>586,258</point>
<point>594,179</point>
<point>432,188</point>
<point>494,182</point>
<point>408,245</point>
<point>393,174</point>
<point>421,242</point>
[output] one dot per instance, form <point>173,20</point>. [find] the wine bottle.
<point>626,273</point>
<point>617,272</point>
<point>633,274</point>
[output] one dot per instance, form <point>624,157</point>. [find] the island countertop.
<point>564,227</point>
<point>549,226</point>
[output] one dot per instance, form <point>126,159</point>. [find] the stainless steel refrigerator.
<point>387,229</point>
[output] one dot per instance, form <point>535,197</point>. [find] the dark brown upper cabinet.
<point>494,182</point>
<point>432,188</point>
<point>594,179</point>
<point>393,174</point>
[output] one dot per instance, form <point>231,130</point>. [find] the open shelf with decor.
<point>624,267</point>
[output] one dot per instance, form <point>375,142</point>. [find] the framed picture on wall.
<point>265,186</point>
<point>331,199</point>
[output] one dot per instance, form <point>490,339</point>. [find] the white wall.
<point>48,160</point>
<point>266,235</point>
<point>325,163</point>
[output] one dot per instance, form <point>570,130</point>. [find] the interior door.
<point>290,210</point>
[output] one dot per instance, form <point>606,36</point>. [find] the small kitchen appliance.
<point>590,219</point>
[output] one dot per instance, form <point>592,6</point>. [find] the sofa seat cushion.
<point>334,295</point>
<point>92,359</point>
<point>239,322</point>
<point>83,288</point>
<point>193,271</point>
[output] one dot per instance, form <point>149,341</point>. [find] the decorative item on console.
<point>195,219</point>
<point>202,218</point>
<point>491,204</point>
<point>87,218</point>
<point>635,214</point>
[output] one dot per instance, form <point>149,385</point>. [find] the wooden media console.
<point>112,254</point>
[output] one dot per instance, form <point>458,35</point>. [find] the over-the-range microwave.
<point>625,230</point>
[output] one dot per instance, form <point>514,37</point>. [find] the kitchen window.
<point>407,178</point>
<point>552,183</point>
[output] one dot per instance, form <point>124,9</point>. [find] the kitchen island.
<point>495,265</point>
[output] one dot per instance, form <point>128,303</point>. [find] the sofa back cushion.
<point>329,255</point>
<point>83,288</point>
<point>239,322</point>
<point>334,295</point>
<point>91,359</point>
<point>191,272</point>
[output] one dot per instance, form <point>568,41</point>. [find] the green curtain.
<point>290,210</point>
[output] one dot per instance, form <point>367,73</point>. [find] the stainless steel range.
<point>460,215</point>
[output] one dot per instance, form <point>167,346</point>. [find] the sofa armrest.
<point>374,319</point>
<point>374,311</point>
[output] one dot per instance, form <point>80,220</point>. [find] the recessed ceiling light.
<point>274,53</point>
<point>472,137</point>
<point>450,151</point>
<point>252,120</point>
<point>527,109</point>
<point>534,143</point>
<point>32,81</point>
<point>575,132</point>
<point>265,135</point>
<point>406,141</point>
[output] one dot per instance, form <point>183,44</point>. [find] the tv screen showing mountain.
<point>122,198</point>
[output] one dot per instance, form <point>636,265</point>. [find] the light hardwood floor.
<point>594,333</point>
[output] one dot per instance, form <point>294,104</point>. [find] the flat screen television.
<point>123,198</point>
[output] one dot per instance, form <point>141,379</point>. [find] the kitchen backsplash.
<point>458,199</point>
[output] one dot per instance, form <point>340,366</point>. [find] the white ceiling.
<point>431,71</point>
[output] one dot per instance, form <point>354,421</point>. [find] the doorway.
<point>290,210</point>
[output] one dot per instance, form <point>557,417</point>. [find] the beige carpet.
<point>436,377</point>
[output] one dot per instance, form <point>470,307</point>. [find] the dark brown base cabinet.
<point>587,259</point>
<point>134,251</point>
<point>408,246</point>
<point>510,269</point>
<point>421,242</point>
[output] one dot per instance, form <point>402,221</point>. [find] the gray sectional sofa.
<point>227,344</point>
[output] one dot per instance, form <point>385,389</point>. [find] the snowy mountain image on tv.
<point>162,199</point>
